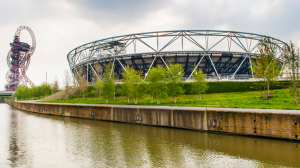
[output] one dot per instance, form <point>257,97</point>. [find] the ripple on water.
<point>35,140</point>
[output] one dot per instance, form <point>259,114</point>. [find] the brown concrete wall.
<point>159,117</point>
<point>189,119</point>
<point>285,126</point>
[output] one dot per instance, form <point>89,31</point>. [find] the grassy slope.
<point>280,99</point>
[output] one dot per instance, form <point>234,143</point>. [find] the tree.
<point>131,83</point>
<point>67,82</point>
<point>21,91</point>
<point>35,92</point>
<point>99,71</point>
<point>108,83</point>
<point>55,86</point>
<point>137,83</point>
<point>127,82</point>
<point>95,76</point>
<point>99,87</point>
<point>24,92</point>
<point>199,85</point>
<point>29,92</point>
<point>266,65</point>
<point>75,80</point>
<point>174,75</point>
<point>45,89</point>
<point>292,65</point>
<point>32,91</point>
<point>156,82</point>
<point>83,84</point>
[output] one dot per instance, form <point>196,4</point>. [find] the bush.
<point>234,86</point>
<point>91,91</point>
<point>119,89</point>
<point>71,96</point>
<point>214,87</point>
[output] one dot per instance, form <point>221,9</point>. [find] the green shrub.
<point>119,89</point>
<point>234,86</point>
<point>219,86</point>
<point>90,91</point>
<point>71,96</point>
<point>90,94</point>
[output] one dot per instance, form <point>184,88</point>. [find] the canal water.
<point>37,140</point>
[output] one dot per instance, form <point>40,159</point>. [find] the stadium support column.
<point>94,71</point>
<point>214,67</point>
<point>186,68</point>
<point>112,67</point>
<point>146,74</point>
<point>166,64</point>
<point>239,66</point>
<point>251,66</point>
<point>282,65</point>
<point>87,73</point>
<point>78,74</point>
<point>196,67</point>
<point>121,64</point>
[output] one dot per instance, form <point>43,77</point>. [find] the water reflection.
<point>17,154</point>
<point>51,141</point>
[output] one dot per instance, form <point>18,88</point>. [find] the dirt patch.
<point>60,95</point>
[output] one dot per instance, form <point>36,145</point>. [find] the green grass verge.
<point>280,99</point>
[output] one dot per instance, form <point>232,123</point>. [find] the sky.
<point>62,25</point>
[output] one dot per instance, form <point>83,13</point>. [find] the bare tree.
<point>99,71</point>
<point>74,80</point>
<point>96,73</point>
<point>67,82</point>
<point>292,65</point>
<point>55,86</point>
<point>83,84</point>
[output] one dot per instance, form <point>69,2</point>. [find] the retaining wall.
<point>265,124</point>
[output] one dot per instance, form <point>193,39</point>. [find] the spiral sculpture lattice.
<point>18,60</point>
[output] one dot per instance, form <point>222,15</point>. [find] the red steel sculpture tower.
<point>18,60</point>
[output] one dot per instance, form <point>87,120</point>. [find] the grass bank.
<point>280,99</point>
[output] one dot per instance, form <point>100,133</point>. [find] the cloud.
<point>61,25</point>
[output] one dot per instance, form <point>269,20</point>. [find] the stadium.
<point>222,55</point>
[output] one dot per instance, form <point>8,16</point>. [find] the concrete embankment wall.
<point>265,124</point>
